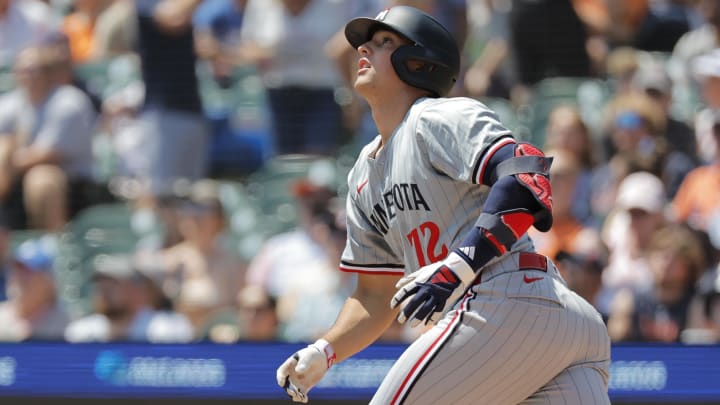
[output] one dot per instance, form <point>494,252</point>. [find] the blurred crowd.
<point>159,107</point>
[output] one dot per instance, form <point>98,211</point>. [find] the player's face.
<point>375,74</point>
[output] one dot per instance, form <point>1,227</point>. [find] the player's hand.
<point>429,292</point>
<point>304,369</point>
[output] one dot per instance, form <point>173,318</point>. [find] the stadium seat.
<point>508,115</point>
<point>262,205</point>
<point>270,190</point>
<point>104,78</point>
<point>96,231</point>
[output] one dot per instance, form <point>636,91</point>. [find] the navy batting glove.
<point>428,293</point>
<point>431,296</point>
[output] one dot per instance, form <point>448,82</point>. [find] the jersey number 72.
<point>430,232</point>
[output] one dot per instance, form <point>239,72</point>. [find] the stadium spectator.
<point>620,67</point>
<point>208,272</point>
<point>287,41</point>
<point>567,131</point>
<point>639,211</point>
<point>258,314</point>
<point>664,23</point>
<point>168,215</point>
<point>174,133</point>
<point>254,319</point>
<point>217,25</point>
<point>79,26</point>
<point>655,82</point>
<point>648,25</point>
<point>626,17</point>
<point>46,153</point>
<point>303,261</point>
<point>707,71</point>
<point>582,267</point>
<point>305,313</point>
<point>704,318</point>
<point>564,175</point>
<point>698,41</point>
<point>274,266</point>
<point>32,311</point>
<point>57,50</point>
<point>115,31</point>
<point>697,201</point>
<point>491,73</point>
<point>636,127</point>
<point>630,143</point>
<point>551,46</point>
<point>130,305</point>
<point>22,24</point>
<point>660,314</point>
<point>4,259</point>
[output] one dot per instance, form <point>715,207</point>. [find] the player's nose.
<point>364,49</point>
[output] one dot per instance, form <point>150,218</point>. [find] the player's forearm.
<point>363,318</point>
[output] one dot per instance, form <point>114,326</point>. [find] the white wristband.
<point>461,268</point>
<point>325,347</point>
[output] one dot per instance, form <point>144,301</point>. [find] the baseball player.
<point>438,209</point>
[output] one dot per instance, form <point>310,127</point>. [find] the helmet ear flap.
<point>432,76</point>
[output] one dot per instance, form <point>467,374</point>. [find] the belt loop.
<point>526,261</point>
<point>532,261</point>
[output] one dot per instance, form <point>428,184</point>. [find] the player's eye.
<point>384,40</point>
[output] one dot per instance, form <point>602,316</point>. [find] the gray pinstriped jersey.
<point>414,202</point>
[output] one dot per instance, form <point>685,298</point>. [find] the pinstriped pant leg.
<point>405,373</point>
<point>578,385</point>
<point>501,349</point>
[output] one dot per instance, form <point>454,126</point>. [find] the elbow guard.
<point>531,169</point>
<point>519,197</point>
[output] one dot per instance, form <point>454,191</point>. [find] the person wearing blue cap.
<point>32,311</point>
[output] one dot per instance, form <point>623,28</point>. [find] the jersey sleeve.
<point>365,249</point>
<point>460,135</point>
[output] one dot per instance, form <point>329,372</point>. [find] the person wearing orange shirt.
<point>79,26</point>
<point>698,198</point>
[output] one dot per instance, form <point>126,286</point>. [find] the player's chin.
<point>362,86</point>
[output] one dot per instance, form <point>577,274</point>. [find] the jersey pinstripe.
<point>409,205</point>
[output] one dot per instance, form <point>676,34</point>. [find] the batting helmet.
<point>431,43</point>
